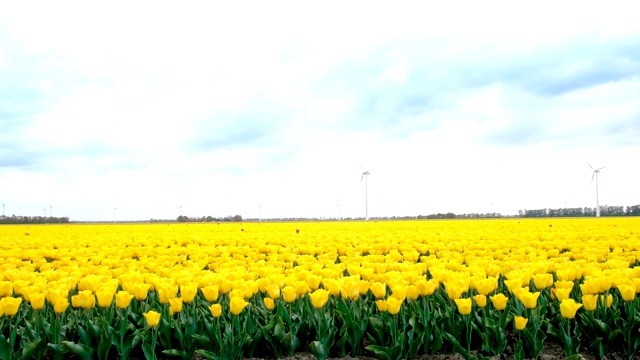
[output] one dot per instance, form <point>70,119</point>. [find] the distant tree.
<point>237,218</point>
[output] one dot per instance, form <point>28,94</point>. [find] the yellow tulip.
<point>289,294</point>
<point>61,305</point>
<point>530,300</point>
<point>627,292</point>
<point>301,289</point>
<point>10,305</point>
<point>152,318</point>
<point>464,306</point>
<point>399,292</point>
<point>481,300</point>
<point>590,302</point>
<point>486,286</point>
<point>412,292</point>
<point>499,301</point>
<point>319,298</point>
<point>604,283</point>
<point>84,299</point>
<point>513,284</point>
<point>564,284</point>
<point>210,293</point>
<point>560,294</point>
<point>36,300</point>
<point>263,284</point>
<point>140,291</point>
<point>427,287</point>
<point>175,304</point>
<point>382,305</point>
<point>542,281</point>
<point>313,282</point>
<point>269,303</point>
<point>216,310</point>
<point>188,292</point>
<point>123,299</point>
<point>520,322</point>
<point>568,308</point>
<point>6,288</point>
<point>236,305</point>
<point>393,305</point>
<point>379,290</point>
<point>350,289</point>
<point>589,287</point>
<point>274,291</point>
<point>454,291</point>
<point>105,298</point>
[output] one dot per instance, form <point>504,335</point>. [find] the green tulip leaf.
<point>319,350</point>
<point>29,349</point>
<point>80,350</point>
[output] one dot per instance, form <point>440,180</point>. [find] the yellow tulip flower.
<point>412,292</point>
<point>486,286</point>
<point>628,292</point>
<point>140,291</point>
<point>590,302</point>
<point>210,293</point>
<point>481,300</point>
<point>269,303</point>
<point>568,308</point>
<point>393,305</point>
<point>464,306</point>
<point>175,304</point>
<point>274,291</point>
<point>188,292</point>
<point>499,301</point>
<point>123,299</point>
<point>61,305</point>
<point>542,281</point>
<point>454,291</point>
<point>216,310</point>
<point>382,305</point>
<point>319,298</point>
<point>10,305</point>
<point>237,304</point>
<point>6,288</point>
<point>36,300</point>
<point>520,322</point>
<point>379,290</point>
<point>152,318</point>
<point>289,294</point>
<point>560,294</point>
<point>530,300</point>
<point>105,298</point>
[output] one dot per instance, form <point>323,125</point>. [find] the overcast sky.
<point>159,109</point>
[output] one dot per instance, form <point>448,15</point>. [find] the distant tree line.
<point>33,220</point>
<point>605,210</point>
<point>183,218</point>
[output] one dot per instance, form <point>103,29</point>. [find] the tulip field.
<point>389,290</point>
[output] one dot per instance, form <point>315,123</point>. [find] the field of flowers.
<point>392,290</point>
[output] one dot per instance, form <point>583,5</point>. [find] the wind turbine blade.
<point>362,177</point>
<point>601,168</point>
<point>592,176</point>
<point>590,165</point>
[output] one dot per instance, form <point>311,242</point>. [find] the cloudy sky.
<point>277,107</point>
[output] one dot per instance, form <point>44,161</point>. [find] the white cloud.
<point>463,107</point>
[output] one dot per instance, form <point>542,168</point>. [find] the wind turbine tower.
<point>365,176</point>
<point>595,175</point>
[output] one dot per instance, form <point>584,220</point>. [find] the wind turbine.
<point>365,176</point>
<point>595,175</point>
